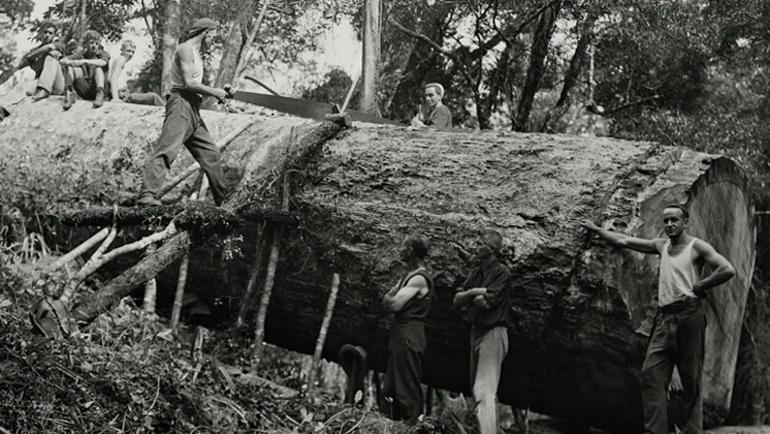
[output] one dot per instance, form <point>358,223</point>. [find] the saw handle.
<point>229,91</point>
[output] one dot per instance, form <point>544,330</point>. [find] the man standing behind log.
<point>486,293</point>
<point>183,123</point>
<point>678,336</point>
<point>410,302</point>
<point>433,113</point>
<point>44,60</point>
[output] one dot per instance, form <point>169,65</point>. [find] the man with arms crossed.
<point>410,301</point>
<point>183,123</point>
<point>678,336</point>
<point>487,293</point>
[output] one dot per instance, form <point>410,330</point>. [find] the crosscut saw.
<point>304,108</point>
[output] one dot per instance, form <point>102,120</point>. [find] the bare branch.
<point>419,36</point>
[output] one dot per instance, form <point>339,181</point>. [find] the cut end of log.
<point>344,120</point>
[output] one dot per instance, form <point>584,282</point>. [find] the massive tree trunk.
<point>573,350</point>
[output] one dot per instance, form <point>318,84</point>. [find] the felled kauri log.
<point>576,303</point>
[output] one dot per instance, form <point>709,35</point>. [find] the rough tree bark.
<point>540,41</point>
<point>577,302</point>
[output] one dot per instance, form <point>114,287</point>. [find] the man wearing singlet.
<point>678,336</point>
<point>433,113</point>
<point>409,300</point>
<point>486,295</point>
<point>183,123</point>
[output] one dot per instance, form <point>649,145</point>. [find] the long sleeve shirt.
<point>496,277</point>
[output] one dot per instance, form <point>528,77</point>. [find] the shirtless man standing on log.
<point>487,294</point>
<point>409,300</point>
<point>183,123</point>
<point>678,336</point>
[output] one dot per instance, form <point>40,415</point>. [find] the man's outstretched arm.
<point>723,269</point>
<point>617,239</point>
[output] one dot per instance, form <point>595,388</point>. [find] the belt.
<point>680,306</point>
<point>192,97</point>
<point>489,326</point>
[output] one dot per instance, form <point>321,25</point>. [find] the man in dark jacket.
<point>486,294</point>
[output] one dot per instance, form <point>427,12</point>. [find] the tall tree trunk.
<point>234,44</point>
<point>539,52</point>
<point>83,21</point>
<point>572,76</point>
<point>395,55</point>
<point>170,34</point>
<point>248,51</point>
<point>371,56</point>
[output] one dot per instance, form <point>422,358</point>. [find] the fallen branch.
<point>269,278</point>
<point>322,335</point>
<point>79,250</point>
<point>193,216</point>
<point>99,259</point>
<point>132,278</point>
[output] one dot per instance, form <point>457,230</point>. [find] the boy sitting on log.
<point>85,73</point>
<point>44,60</point>
<point>117,94</point>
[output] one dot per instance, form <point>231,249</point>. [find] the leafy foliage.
<point>108,17</point>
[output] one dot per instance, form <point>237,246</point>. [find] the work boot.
<point>99,101</point>
<point>147,200</point>
<point>69,99</point>
<point>40,94</point>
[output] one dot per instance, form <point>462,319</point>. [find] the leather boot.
<point>40,94</point>
<point>99,101</point>
<point>69,99</point>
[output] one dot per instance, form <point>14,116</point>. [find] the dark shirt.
<point>90,70</point>
<point>496,277</point>
<point>37,63</point>
<point>441,117</point>
<point>415,309</point>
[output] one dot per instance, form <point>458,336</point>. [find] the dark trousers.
<point>402,387</point>
<point>183,125</point>
<point>678,338</point>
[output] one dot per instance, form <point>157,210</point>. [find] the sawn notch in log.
<point>192,216</point>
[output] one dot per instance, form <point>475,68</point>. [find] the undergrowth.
<point>126,373</point>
